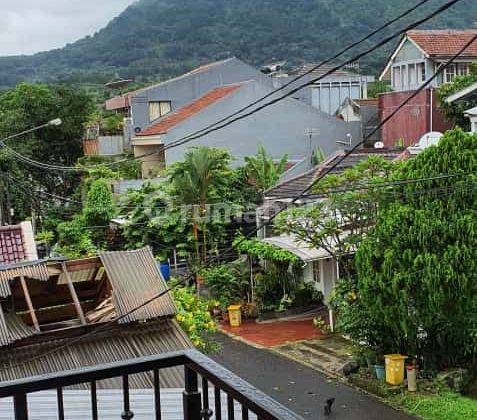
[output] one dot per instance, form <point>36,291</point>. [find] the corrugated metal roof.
<point>119,343</point>
<point>35,270</point>
<point>12,328</point>
<point>135,278</point>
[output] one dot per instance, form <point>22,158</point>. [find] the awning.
<point>299,248</point>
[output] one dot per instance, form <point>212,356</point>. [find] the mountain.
<point>156,39</point>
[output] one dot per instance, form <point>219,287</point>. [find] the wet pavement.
<point>273,333</point>
<point>298,387</point>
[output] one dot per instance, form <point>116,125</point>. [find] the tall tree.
<point>262,169</point>
<point>31,105</point>
<point>416,289</point>
<point>195,181</point>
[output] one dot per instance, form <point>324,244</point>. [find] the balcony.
<point>104,145</point>
<point>210,392</point>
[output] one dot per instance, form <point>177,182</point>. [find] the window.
<point>462,69</point>
<point>412,74</point>
<point>421,72</point>
<point>158,109</point>
<point>317,271</point>
<point>397,76</point>
<point>403,76</point>
<point>450,73</point>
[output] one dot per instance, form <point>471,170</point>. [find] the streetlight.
<point>53,123</point>
<point>56,122</point>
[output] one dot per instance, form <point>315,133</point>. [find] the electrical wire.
<point>253,233</point>
<point>214,127</point>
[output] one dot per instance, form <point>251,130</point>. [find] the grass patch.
<point>442,406</point>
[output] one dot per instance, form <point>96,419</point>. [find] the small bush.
<point>194,317</point>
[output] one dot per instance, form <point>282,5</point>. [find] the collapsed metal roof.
<point>118,343</point>
<point>135,278</point>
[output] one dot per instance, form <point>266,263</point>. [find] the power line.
<point>202,132</point>
<point>253,233</point>
<point>194,136</point>
<point>352,149</point>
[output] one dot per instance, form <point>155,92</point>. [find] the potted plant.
<point>324,328</point>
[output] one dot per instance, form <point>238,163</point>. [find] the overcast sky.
<point>29,26</point>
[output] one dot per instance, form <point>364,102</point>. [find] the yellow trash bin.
<point>235,315</point>
<point>394,368</point>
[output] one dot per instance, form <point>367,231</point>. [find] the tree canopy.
<point>416,288</point>
<point>153,38</point>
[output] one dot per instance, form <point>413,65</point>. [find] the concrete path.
<point>298,387</point>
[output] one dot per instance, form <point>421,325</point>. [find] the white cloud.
<point>29,26</point>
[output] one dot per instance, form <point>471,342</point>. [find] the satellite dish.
<point>379,145</point>
<point>429,139</point>
<point>137,130</point>
<point>118,84</point>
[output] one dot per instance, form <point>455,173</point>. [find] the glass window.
<point>403,76</point>
<point>317,271</point>
<point>421,72</point>
<point>450,73</point>
<point>462,69</point>
<point>412,74</point>
<point>397,76</point>
<point>158,109</point>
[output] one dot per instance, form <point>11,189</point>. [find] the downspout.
<point>431,119</point>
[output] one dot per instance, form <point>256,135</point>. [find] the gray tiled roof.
<point>293,187</point>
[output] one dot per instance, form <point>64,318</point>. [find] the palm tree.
<point>262,170</point>
<point>195,180</point>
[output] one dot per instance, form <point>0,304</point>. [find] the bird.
<point>327,407</point>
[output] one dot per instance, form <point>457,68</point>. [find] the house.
<point>364,111</point>
<point>327,94</point>
<point>159,114</point>
<point>17,244</point>
<point>319,267</point>
<point>43,304</point>
<point>417,58</point>
<point>145,106</point>
<point>280,128</point>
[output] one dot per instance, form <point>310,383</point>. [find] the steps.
<point>327,355</point>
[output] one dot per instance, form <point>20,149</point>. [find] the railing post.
<point>191,398</point>
<point>20,406</point>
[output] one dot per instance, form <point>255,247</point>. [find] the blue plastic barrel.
<point>166,271</point>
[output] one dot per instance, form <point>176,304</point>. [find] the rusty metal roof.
<point>119,343</point>
<point>35,270</point>
<point>135,278</point>
<point>12,328</point>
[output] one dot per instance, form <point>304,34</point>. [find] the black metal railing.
<point>196,400</point>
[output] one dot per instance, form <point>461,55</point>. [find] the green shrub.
<point>194,317</point>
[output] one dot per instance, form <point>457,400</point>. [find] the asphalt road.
<point>301,389</point>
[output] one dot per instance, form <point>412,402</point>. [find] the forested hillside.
<point>159,38</point>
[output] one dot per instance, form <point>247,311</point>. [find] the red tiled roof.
<point>188,111</point>
<point>11,245</point>
<point>444,43</point>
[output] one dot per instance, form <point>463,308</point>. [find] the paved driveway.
<point>300,388</point>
